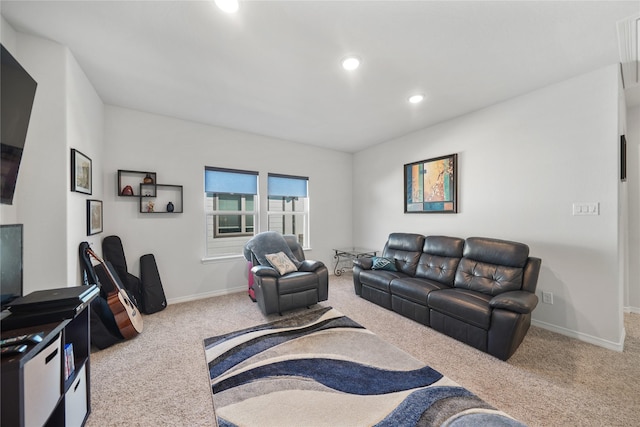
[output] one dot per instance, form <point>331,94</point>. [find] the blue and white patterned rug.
<point>323,369</point>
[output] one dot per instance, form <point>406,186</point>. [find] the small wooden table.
<point>349,254</point>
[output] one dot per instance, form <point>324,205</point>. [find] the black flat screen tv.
<point>10,262</point>
<point>17,92</point>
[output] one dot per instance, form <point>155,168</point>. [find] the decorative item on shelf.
<point>127,191</point>
<point>147,179</point>
<point>150,206</point>
<point>170,207</point>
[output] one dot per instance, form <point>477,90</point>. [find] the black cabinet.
<point>37,386</point>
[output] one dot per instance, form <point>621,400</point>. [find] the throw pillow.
<point>381,263</point>
<point>281,263</point>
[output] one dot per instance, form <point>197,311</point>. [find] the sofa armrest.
<point>263,270</point>
<point>518,301</point>
<point>363,263</point>
<point>310,265</point>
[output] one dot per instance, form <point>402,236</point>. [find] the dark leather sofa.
<point>480,291</point>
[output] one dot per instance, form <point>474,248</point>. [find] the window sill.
<point>222,258</point>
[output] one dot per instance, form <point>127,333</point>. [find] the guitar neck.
<point>113,280</point>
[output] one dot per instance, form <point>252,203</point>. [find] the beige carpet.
<point>160,378</point>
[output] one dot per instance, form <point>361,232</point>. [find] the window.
<point>288,207</point>
<point>231,209</point>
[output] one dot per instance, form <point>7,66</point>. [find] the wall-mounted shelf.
<point>134,179</point>
<point>160,195</point>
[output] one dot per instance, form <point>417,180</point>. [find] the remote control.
<point>34,338</point>
<point>13,349</point>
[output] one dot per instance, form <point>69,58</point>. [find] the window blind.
<point>287,186</point>
<point>218,180</point>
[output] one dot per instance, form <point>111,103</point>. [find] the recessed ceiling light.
<point>350,63</point>
<point>416,99</point>
<point>229,6</point>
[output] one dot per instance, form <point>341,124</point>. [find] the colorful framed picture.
<point>80,172</point>
<point>94,217</point>
<point>430,186</point>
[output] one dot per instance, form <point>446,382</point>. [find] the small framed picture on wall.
<point>94,217</point>
<point>80,172</point>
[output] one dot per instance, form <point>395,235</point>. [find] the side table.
<point>349,254</point>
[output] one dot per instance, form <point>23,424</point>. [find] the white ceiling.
<point>274,69</point>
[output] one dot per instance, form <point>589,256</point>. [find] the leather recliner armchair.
<point>276,293</point>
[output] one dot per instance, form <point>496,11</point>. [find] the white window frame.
<point>227,245</point>
<point>304,239</point>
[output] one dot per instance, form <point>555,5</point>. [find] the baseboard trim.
<point>635,310</point>
<point>619,346</point>
<point>207,295</point>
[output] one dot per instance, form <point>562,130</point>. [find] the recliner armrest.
<point>518,301</point>
<point>263,270</point>
<point>310,265</point>
<point>363,263</point>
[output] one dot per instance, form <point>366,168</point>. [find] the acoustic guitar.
<point>127,315</point>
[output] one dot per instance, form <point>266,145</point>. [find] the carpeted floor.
<point>159,378</point>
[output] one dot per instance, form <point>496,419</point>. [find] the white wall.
<point>522,164</point>
<point>40,194</point>
<point>632,294</point>
<point>85,132</point>
<point>66,113</point>
<point>178,151</point>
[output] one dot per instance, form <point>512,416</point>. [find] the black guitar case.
<point>153,296</point>
<point>113,253</point>
<point>103,326</point>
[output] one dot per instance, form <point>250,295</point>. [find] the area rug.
<point>323,369</point>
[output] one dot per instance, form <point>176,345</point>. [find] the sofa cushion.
<point>382,263</point>
<point>414,289</point>
<point>438,268</point>
<point>444,246</point>
<point>440,258</point>
<point>267,242</point>
<point>495,251</point>
<point>487,278</point>
<point>468,306</point>
<point>379,279</point>
<point>408,242</point>
<point>406,249</point>
<point>297,282</point>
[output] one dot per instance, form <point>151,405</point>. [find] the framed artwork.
<point>94,217</point>
<point>80,172</point>
<point>623,158</point>
<point>430,186</point>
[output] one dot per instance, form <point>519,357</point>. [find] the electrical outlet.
<point>547,297</point>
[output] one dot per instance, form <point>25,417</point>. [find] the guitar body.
<point>126,314</point>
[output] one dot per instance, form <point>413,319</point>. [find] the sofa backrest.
<point>491,266</point>
<point>406,249</point>
<point>440,258</point>
<point>295,247</point>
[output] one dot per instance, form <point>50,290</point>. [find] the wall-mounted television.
<point>17,92</point>
<point>10,262</point>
